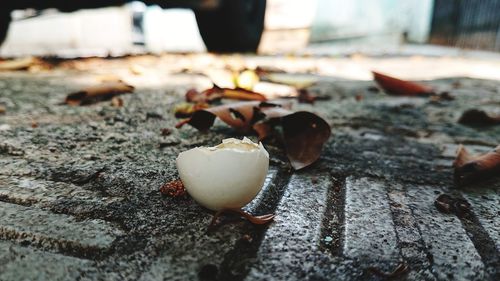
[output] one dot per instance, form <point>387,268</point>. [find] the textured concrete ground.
<point>79,187</point>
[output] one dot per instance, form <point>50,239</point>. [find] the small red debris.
<point>173,189</point>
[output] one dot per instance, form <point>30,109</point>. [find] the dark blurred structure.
<point>466,24</point>
<point>225,25</point>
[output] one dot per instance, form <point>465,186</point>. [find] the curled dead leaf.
<point>304,133</point>
<point>258,220</point>
<point>102,92</point>
<point>242,121</point>
<point>475,117</point>
<point>238,94</point>
<point>469,168</point>
<point>398,87</point>
<point>185,110</point>
<point>306,96</point>
<point>216,93</point>
<point>207,96</point>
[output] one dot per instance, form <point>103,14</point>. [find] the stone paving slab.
<point>369,229</point>
<point>482,202</point>
<point>22,263</point>
<point>88,177</point>
<point>453,254</point>
<point>54,231</point>
<point>291,242</point>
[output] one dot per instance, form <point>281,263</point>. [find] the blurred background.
<point>314,27</point>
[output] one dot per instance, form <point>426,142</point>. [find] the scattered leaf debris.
<point>478,118</point>
<point>469,168</point>
<point>452,205</point>
<point>117,102</point>
<point>236,94</point>
<point>398,87</point>
<point>400,270</point>
<point>304,133</point>
<point>2,109</point>
<point>173,189</point>
<point>257,220</point>
<point>19,64</point>
<point>185,110</point>
<point>207,96</point>
<point>306,96</point>
<point>103,92</point>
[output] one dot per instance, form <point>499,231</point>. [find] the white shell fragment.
<point>228,175</point>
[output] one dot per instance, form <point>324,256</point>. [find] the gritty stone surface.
<point>79,185</point>
<point>453,253</point>
<point>288,248</point>
<point>55,231</point>
<point>485,203</point>
<point>369,229</point>
<point>22,263</point>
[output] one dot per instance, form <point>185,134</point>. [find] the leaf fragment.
<point>451,205</point>
<point>306,96</point>
<point>257,220</point>
<point>102,92</point>
<point>398,87</point>
<point>216,93</point>
<point>185,110</point>
<point>469,168</point>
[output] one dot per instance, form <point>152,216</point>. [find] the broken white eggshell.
<point>228,175</point>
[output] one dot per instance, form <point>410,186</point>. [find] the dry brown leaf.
<point>398,87</point>
<point>258,220</point>
<point>469,168</point>
<point>185,110</point>
<point>18,64</point>
<point>238,94</point>
<point>207,96</point>
<point>216,93</point>
<point>102,92</point>
<point>475,117</point>
<point>304,133</point>
<point>237,115</point>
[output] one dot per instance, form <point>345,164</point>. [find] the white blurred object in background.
<point>287,25</point>
<point>101,32</point>
<point>173,30</point>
